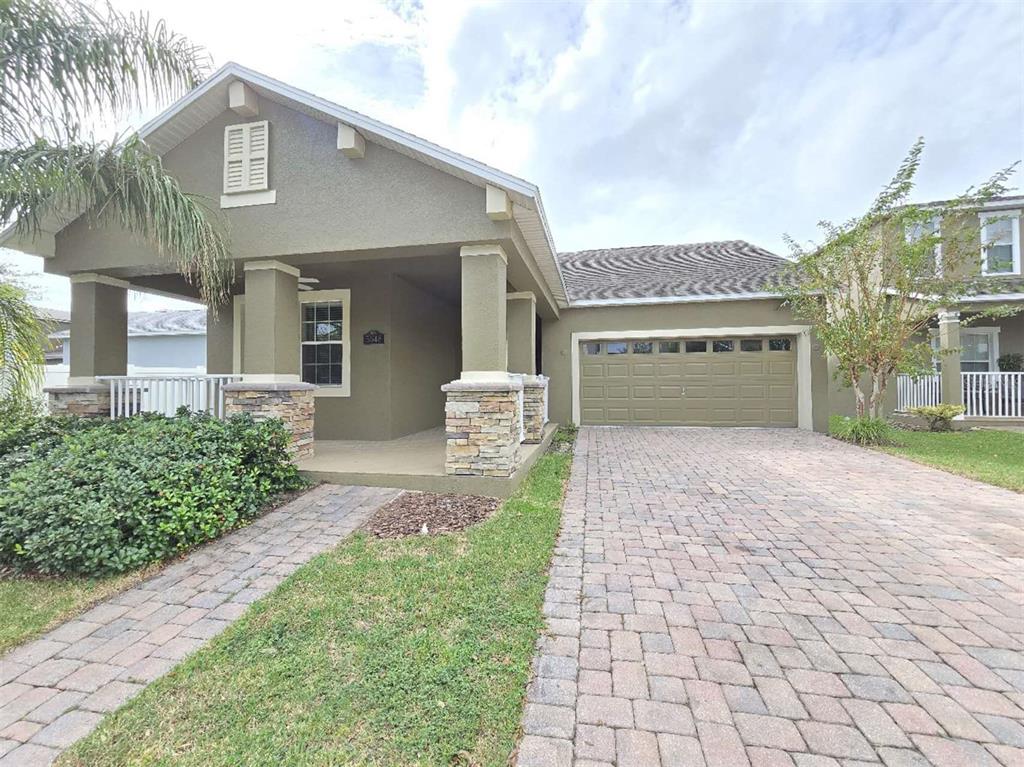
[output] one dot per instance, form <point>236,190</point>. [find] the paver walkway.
<point>56,689</point>
<point>773,597</point>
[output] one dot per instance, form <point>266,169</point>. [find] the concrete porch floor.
<point>413,462</point>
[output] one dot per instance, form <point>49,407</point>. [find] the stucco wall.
<point>557,340</point>
<point>1011,333</point>
<point>424,356</point>
<point>325,201</point>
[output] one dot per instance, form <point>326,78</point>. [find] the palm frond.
<point>23,338</point>
<point>61,60</point>
<point>117,183</point>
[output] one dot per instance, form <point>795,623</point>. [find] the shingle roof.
<point>178,322</point>
<point>732,267</point>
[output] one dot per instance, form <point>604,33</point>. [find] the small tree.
<point>63,64</point>
<point>873,286</point>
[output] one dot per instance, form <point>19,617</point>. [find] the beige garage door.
<point>689,382</point>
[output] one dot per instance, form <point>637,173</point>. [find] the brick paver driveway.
<point>770,597</point>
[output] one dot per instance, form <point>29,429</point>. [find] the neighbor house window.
<point>1000,239</point>
<point>324,339</point>
<point>924,229</point>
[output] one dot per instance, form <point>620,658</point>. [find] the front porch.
<point>412,462</point>
<point>977,367</point>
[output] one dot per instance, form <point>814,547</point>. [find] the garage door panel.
<point>725,388</point>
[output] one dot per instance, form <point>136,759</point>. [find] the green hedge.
<point>96,497</point>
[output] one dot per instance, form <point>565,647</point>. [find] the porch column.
<point>270,385</point>
<point>220,339</point>
<point>99,345</point>
<point>522,361</point>
<point>949,338</point>
<point>521,311</point>
<point>482,408</point>
<point>484,341</point>
<point>270,353</point>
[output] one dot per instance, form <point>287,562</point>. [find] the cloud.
<point>662,122</point>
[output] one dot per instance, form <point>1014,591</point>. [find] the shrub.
<point>939,417</point>
<point>105,497</point>
<point>1011,363</point>
<point>861,431</point>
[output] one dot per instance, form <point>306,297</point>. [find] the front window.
<point>322,343</point>
<point>1000,239</point>
<point>979,350</point>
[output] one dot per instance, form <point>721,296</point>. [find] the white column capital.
<point>949,315</point>
<point>252,266</point>
<point>487,249</point>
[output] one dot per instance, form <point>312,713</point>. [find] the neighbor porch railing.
<point>164,394</point>
<point>917,392</point>
<point>985,395</point>
<point>994,395</point>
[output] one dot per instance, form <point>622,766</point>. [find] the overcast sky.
<point>647,123</point>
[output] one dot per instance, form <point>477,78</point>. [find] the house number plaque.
<point>372,337</point>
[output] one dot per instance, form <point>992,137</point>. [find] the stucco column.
<point>521,310</point>
<point>484,341</point>
<point>220,339</point>
<point>271,325</point>
<point>99,328</point>
<point>949,338</point>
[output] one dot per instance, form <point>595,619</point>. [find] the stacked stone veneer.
<point>90,401</point>
<point>291,403</point>
<point>535,395</point>
<point>482,428</point>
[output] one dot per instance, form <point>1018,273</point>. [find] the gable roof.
<point>205,102</point>
<point>665,273</point>
<point>176,322</point>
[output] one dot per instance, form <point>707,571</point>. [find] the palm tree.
<point>63,64</point>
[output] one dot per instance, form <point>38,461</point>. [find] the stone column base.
<point>290,403</point>
<point>482,428</point>
<point>535,408</point>
<point>87,401</point>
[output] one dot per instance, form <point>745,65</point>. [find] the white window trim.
<point>804,401</point>
<point>344,295</point>
<point>1014,217</point>
<point>993,343</point>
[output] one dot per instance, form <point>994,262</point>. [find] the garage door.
<point>689,382</point>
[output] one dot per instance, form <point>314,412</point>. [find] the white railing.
<point>166,393</point>
<point>994,395</point>
<point>917,392</point>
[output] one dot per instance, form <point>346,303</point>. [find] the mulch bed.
<point>430,514</point>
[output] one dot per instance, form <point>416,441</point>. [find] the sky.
<point>653,123</point>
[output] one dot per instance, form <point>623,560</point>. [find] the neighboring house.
<point>56,320</point>
<point>157,341</point>
<point>387,286</point>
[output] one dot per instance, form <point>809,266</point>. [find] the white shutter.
<point>246,157</point>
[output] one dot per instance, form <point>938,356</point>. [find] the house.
<point>160,341</point>
<point>404,309</point>
<point>56,320</point>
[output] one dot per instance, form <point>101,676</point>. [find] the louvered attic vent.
<point>245,157</point>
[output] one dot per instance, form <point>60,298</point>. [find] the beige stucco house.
<point>405,307</point>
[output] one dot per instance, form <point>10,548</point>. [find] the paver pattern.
<point>56,689</point>
<point>774,597</point>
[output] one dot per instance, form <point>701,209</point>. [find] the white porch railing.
<point>917,392</point>
<point>164,394</point>
<point>994,395</point>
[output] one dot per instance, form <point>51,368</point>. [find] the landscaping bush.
<point>939,417</point>
<point>860,431</point>
<point>104,497</point>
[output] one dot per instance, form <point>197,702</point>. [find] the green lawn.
<point>29,607</point>
<point>382,652</point>
<point>992,456</point>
